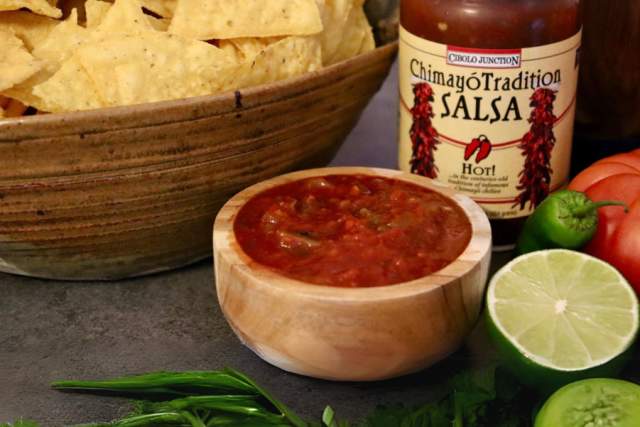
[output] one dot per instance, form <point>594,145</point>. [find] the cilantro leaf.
<point>484,398</point>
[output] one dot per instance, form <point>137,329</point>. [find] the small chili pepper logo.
<point>481,145</point>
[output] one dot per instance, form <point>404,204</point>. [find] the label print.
<point>494,124</point>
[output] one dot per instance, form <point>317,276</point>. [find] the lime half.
<point>558,316</point>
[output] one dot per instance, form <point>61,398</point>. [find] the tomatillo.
<point>596,402</point>
<point>566,219</point>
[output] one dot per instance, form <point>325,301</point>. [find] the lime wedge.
<point>558,316</point>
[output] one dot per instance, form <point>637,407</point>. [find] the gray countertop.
<point>55,330</point>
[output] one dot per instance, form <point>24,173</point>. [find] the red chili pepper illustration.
<point>480,144</point>
<point>472,147</point>
<point>423,134</point>
<point>485,149</point>
<point>537,146</point>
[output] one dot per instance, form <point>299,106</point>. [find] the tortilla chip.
<point>63,40</point>
<point>290,57</point>
<point>357,38</point>
<point>153,66</point>
<point>59,46</point>
<point>70,89</point>
<point>230,19</point>
<point>17,63</point>
<point>159,24</point>
<point>369,42</point>
<point>124,56</point>
<point>246,48</point>
<point>126,17</point>
<point>4,101</point>
<point>164,8</point>
<point>41,7</point>
<point>23,91</point>
<point>335,14</point>
<point>32,29</point>
<point>95,11</point>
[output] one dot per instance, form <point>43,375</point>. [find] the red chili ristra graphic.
<point>423,134</point>
<point>536,146</point>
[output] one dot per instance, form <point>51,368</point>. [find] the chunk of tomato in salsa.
<point>352,230</point>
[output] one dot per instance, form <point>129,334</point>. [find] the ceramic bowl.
<point>350,334</point>
<point>126,191</point>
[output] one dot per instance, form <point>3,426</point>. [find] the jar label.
<point>495,124</point>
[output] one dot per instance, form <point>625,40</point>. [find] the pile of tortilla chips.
<point>123,52</point>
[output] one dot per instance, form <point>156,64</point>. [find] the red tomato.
<point>630,159</point>
<point>624,188</point>
<point>618,237</point>
<point>626,246</point>
<point>598,172</point>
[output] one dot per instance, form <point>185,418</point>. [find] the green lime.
<point>596,402</point>
<point>558,316</point>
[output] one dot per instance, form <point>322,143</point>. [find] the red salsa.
<point>352,230</point>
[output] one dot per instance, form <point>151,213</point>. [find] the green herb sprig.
<point>484,398</point>
<point>487,398</point>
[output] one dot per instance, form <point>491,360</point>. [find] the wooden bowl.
<point>125,191</point>
<point>350,334</point>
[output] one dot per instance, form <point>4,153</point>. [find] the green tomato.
<point>592,403</point>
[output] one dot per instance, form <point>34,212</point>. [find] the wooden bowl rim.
<point>226,245</point>
<point>220,99</point>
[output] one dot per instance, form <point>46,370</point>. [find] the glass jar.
<point>487,93</point>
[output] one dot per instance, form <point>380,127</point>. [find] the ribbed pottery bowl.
<point>126,191</point>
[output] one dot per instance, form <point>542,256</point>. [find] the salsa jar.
<point>487,100</point>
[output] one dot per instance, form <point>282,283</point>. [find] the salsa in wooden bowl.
<point>352,230</point>
<point>351,273</point>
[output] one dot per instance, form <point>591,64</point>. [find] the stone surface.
<point>54,330</point>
